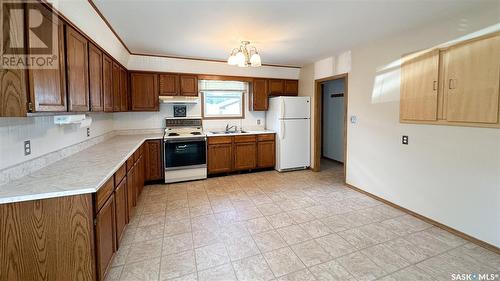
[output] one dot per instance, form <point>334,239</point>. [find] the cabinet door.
<point>153,160</point>
<point>95,78</point>
<point>107,83</point>
<point>291,87</point>
<point>116,88</point>
<point>48,86</point>
<point>77,70</point>
<point>121,209</point>
<point>124,89</point>
<point>245,156</point>
<point>169,84</point>
<point>140,175</point>
<point>131,191</point>
<point>419,87</point>
<point>105,236</point>
<point>276,87</point>
<point>259,95</point>
<point>220,158</point>
<point>188,85</point>
<point>144,91</point>
<point>471,81</point>
<point>265,154</point>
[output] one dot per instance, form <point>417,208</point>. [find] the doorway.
<point>330,124</point>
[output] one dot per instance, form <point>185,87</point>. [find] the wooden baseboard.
<point>430,221</point>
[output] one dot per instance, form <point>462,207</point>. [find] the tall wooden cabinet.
<point>47,87</point>
<point>107,83</point>
<point>95,78</point>
<point>456,85</point>
<point>77,71</point>
<point>144,91</point>
<point>116,87</point>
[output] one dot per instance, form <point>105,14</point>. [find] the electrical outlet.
<point>88,132</point>
<point>404,140</point>
<point>27,148</point>
<point>354,119</point>
<point>258,121</point>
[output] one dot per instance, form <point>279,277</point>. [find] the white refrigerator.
<point>289,117</point>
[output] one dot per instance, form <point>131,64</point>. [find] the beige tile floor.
<point>285,226</point>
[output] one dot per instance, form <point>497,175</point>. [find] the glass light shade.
<point>232,60</point>
<point>240,58</point>
<point>255,60</point>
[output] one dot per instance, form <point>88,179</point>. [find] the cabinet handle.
<point>451,85</point>
<point>434,85</point>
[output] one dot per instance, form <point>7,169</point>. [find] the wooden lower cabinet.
<point>105,233</point>
<point>131,191</point>
<point>220,158</point>
<point>245,156</point>
<point>121,209</point>
<point>266,154</point>
<point>47,239</point>
<point>245,152</point>
<point>153,160</point>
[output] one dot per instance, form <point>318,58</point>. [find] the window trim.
<point>222,117</point>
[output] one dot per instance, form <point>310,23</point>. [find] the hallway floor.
<point>285,226</point>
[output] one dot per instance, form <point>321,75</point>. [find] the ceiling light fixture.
<point>245,56</point>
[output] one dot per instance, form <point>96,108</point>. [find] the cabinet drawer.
<point>120,174</point>
<point>219,140</point>
<point>246,138</point>
<point>103,194</point>
<point>265,137</point>
<point>130,162</point>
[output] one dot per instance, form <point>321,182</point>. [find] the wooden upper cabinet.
<point>48,86</point>
<point>105,234</point>
<point>153,160</point>
<point>260,100</point>
<point>144,91</point>
<point>276,86</point>
<point>419,87</point>
<point>188,85</point>
<point>291,87</point>
<point>95,78</point>
<point>77,69</point>
<point>107,83</point>
<point>124,89</point>
<point>471,81</point>
<point>116,88</point>
<point>169,84</point>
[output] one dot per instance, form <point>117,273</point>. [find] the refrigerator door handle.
<point>282,105</point>
<point>282,131</point>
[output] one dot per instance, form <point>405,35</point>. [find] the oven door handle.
<point>185,140</point>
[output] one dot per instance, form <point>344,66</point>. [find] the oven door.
<point>185,153</point>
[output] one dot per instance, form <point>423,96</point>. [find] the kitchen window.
<point>223,99</point>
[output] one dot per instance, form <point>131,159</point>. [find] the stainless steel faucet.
<point>230,127</point>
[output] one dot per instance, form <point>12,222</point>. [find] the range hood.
<point>179,99</point>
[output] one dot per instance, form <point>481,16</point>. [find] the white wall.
<point>333,120</point>
<point>449,174</point>
<point>45,137</point>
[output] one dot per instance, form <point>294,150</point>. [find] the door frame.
<point>318,119</point>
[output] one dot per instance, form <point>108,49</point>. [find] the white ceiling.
<point>285,32</point>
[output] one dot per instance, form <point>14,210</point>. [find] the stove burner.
<point>196,133</point>
<point>173,134</point>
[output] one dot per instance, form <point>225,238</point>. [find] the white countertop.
<point>81,173</point>
<point>246,132</point>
